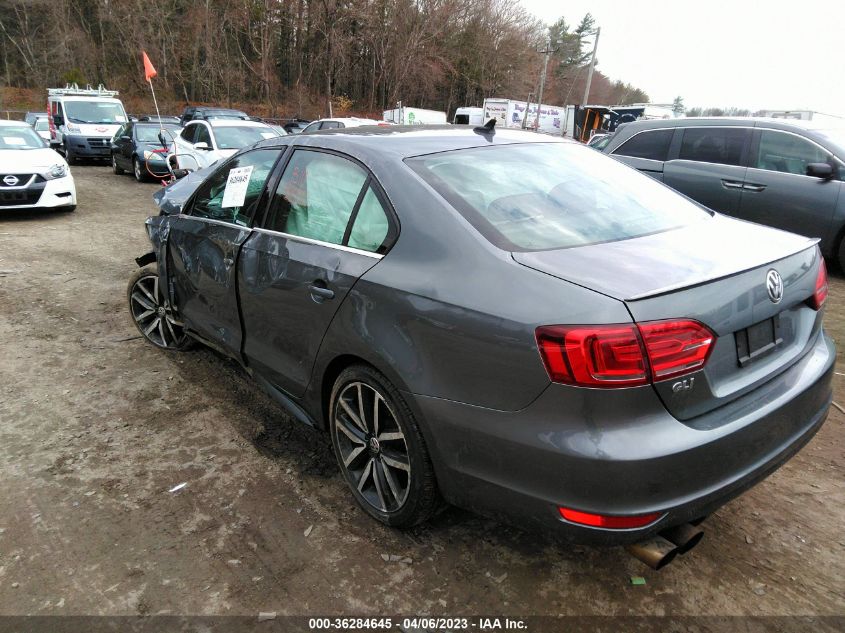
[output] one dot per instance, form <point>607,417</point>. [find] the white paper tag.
<point>119,118</point>
<point>268,135</point>
<point>236,186</point>
<point>14,140</point>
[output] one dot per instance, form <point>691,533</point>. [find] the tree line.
<point>303,57</point>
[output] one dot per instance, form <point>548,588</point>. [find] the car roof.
<point>741,121</point>
<point>5,123</point>
<point>233,123</point>
<point>405,141</point>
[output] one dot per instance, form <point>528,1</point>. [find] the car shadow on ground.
<point>266,425</point>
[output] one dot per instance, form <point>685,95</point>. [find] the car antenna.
<point>487,128</point>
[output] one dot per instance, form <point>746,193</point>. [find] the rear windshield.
<point>542,196</point>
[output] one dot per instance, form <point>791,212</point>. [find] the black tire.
<point>70,157</point>
<point>840,254</point>
<point>157,325</point>
<point>116,169</point>
<point>138,170</point>
<point>399,486</point>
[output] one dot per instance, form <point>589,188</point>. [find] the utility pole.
<point>549,50</point>
<point>592,66</point>
<point>527,108</point>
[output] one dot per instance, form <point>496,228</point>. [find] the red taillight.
<point>623,355</point>
<point>676,347</point>
<point>820,294</point>
<point>593,356</point>
<point>606,521</point>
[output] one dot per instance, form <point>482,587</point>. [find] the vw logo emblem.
<point>10,180</point>
<point>774,286</point>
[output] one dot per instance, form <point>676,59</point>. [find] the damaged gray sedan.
<point>510,322</point>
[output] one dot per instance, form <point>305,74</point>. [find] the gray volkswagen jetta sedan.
<point>512,323</point>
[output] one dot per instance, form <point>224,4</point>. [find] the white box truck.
<point>469,116</point>
<point>83,120</point>
<point>414,116</point>
<point>511,113</point>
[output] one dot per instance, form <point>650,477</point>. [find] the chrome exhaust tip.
<point>685,536</point>
<point>656,552</point>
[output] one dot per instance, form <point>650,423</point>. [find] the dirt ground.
<point>97,427</point>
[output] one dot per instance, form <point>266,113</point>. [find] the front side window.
<point>313,127</point>
<point>541,196</point>
<point>203,135</point>
<point>189,133</point>
<point>714,145</point>
<point>787,153</point>
<point>238,207</point>
<point>316,196</point>
<point>651,144</point>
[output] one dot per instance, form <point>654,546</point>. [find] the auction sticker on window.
<point>236,186</point>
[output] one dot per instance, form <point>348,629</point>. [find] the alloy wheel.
<point>372,447</point>
<point>136,166</point>
<point>151,316</point>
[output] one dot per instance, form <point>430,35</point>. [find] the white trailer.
<point>512,114</point>
<point>404,115</point>
<point>805,115</point>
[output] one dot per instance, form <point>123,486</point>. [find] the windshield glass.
<point>19,137</point>
<point>837,137</point>
<point>94,112</point>
<point>236,137</point>
<point>541,196</point>
<point>149,133</point>
<point>42,125</point>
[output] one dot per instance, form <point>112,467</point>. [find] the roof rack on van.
<point>74,90</point>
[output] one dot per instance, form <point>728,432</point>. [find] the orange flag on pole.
<point>149,71</point>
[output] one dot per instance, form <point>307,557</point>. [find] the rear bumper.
<point>619,452</point>
<point>91,147</point>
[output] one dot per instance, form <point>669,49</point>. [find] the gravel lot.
<point>96,427</point>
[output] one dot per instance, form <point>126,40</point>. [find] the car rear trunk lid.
<point>714,272</point>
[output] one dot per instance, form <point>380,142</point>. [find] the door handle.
<point>319,292</point>
<point>731,184</point>
<point>751,187</point>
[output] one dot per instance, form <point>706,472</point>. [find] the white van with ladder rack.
<point>83,120</point>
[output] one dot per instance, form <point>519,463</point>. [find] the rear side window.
<point>651,144</point>
<point>787,153</point>
<point>371,227</point>
<point>316,196</point>
<point>541,196</point>
<point>713,145</point>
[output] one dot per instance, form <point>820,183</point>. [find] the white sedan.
<point>342,122</point>
<point>32,176</point>
<point>203,142</point>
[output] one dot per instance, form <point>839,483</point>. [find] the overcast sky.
<point>775,55</point>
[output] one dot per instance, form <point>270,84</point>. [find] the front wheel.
<point>138,170</point>
<point>114,166</point>
<point>380,449</point>
<point>70,157</point>
<point>156,323</point>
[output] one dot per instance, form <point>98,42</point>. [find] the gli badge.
<point>774,286</point>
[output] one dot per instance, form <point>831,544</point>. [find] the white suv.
<point>202,143</point>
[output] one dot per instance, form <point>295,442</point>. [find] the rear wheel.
<point>154,320</point>
<point>114,166</point>
<point>380,449</point>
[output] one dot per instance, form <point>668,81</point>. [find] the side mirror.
<point>202,145</point>
<point>820,170</point>
<point>58,119</point>
<point>125,137</point>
